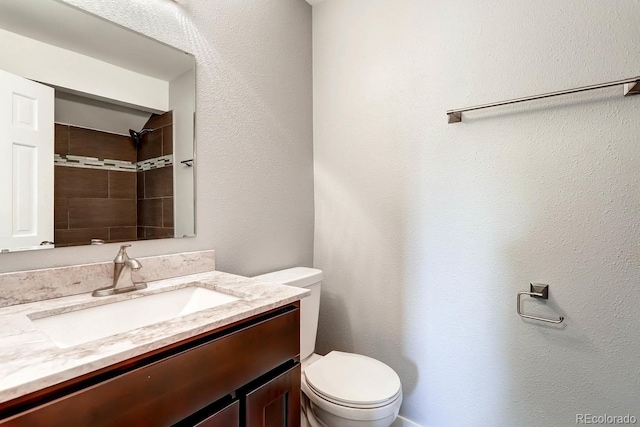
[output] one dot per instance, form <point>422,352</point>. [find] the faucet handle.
<point>122,254</point>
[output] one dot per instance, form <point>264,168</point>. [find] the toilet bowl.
<point>352,390</point>
<point>339,389</point>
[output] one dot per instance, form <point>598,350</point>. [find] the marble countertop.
<point>30,361</point>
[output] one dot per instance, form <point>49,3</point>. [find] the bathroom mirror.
<point>96,131</point>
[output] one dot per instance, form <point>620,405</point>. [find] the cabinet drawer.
<point>177,384</point>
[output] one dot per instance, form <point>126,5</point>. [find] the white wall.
<point>254,179</point>
<point>52,65</point>
<point>426,231</point>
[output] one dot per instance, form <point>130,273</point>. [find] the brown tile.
<point>158,182</point>
<point>167,212</point>
<point>60,213</point>
<point>140,233</point>
<point>123,234</point>
<point>73,182</point>
<point>159,120</point>
<point>140,184</point>
<point>150,213</point>
<point>122,185</point>
<point>103,145</point>
<point>167,140</point>
<point>80,236</point>
<point>158,233</point>
<point>150,145</point>
<point>91,213</point>
<point>61,139</point>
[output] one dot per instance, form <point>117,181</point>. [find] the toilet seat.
<point>351,413</point>
<point>353,380</point>
<point>352,405</point>
<point>353,386</point>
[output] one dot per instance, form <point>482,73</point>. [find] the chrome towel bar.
<point>536,290</point>
<point>632,87</point>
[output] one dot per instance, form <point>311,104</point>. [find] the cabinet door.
<point>227,417</point>
<point>275,403</point>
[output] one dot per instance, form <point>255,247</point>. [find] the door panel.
<point>26,163</point>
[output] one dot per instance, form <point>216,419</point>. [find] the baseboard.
<point>403,422</point>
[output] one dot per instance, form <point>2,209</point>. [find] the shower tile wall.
<point>93,203</point>
<point>155,186</point>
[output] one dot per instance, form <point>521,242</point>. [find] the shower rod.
<point>632,87</point>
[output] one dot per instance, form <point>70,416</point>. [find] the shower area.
<point>113,173</point>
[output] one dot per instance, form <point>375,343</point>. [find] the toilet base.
<point>314,416</point>
<point>329,419</point>
<point>307,417</point>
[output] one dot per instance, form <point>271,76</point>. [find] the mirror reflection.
<point>96,131</point>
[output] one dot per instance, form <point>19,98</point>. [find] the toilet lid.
<point>353,379</point>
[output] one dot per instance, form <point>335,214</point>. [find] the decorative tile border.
<point>155,163</point>
<point>93,163</point>
<point>110,164</point>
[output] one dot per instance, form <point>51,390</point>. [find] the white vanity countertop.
<point>30,361</point>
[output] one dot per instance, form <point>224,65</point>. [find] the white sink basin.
<point>89,324</point>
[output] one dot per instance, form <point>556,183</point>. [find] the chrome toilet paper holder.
<point>536,290</point>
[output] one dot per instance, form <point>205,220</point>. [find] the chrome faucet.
<point>122,268</point>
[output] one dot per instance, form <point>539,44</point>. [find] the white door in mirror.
<point>26,163</point>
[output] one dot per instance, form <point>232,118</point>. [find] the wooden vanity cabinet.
<point>245,374</point>
<point>269,401</point>
<point>229,416</point>
<point>275,402</point>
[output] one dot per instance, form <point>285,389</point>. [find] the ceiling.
<point>67,27</point>
<point>312,2</point>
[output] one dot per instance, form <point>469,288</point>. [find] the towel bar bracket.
<point>538,290</point>
<point>454,117</point>
<point>632,89</point>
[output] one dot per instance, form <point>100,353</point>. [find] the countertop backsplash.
<point>36,285</point>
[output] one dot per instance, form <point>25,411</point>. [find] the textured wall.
<point>426,231</point>
<point>254,178</point>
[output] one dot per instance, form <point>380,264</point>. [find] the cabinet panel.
<point>275,403</point>
<point>178,385</point>
<point>227,417</point>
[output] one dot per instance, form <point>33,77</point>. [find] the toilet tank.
<point>302,277</point>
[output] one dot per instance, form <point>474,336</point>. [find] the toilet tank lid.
<point>301,277</point>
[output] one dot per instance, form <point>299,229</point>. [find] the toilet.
<point>339,389</point>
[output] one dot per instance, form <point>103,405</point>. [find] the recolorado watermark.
<point>605,419</point>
